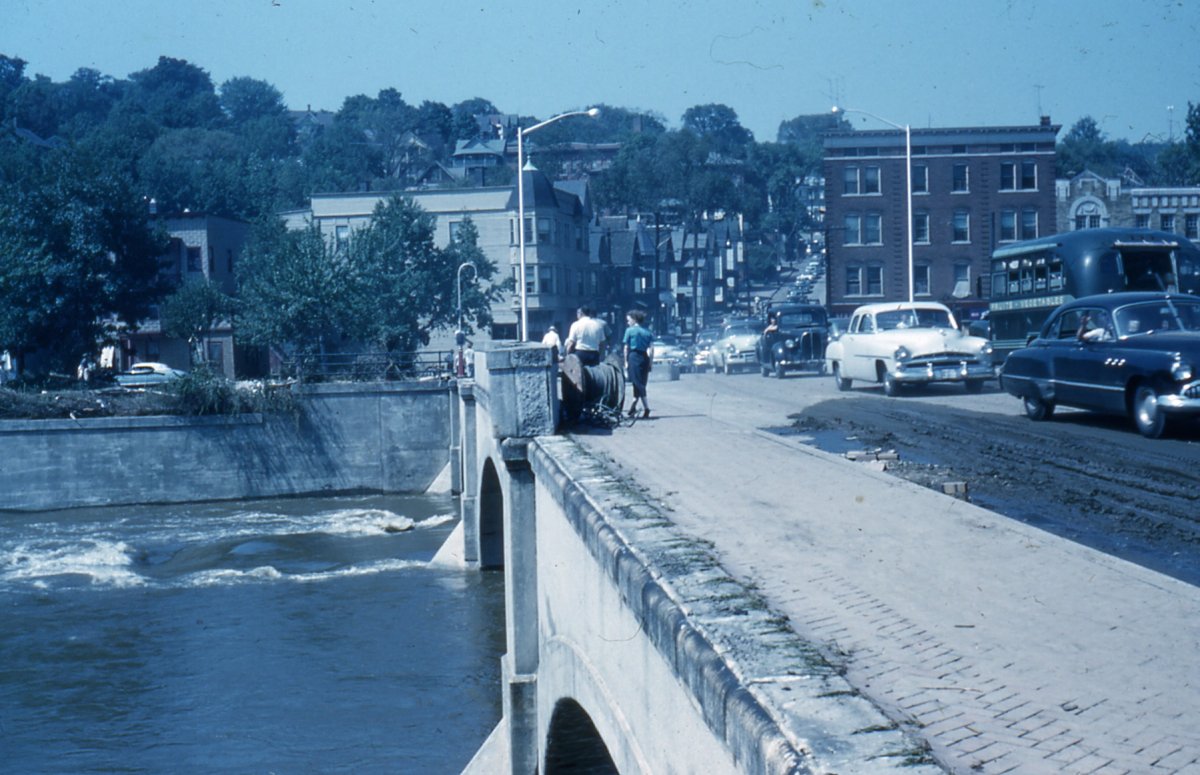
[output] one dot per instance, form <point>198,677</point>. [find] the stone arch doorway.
<point>491,518</point>
<point>573,745</point>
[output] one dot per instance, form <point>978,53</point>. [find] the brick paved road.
<point>1008,649</point>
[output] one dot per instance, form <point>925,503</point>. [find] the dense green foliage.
<point>388,285</point>
<point>1155,161</point>
<point>194,311</point>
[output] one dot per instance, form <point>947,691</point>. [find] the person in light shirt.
<point>586,337</point>
<point>639,354</point>
<point>552,341</point>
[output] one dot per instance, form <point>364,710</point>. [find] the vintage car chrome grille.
<point>940,360</point>
<point>1191,391</point>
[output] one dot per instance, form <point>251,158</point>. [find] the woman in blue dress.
<point>639,352</point>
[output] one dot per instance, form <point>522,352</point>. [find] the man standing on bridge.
<point>586,337</point>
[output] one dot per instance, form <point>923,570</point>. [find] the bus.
<point>1030,279</point>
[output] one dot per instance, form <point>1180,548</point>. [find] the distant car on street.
<point>668,350</point>
<point>700,354</point>
<point>147,374</point>
<point>736,348</point>
<point>905,343</point>
<point>1133,353</point>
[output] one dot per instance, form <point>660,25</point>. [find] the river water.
<point>284,636</point>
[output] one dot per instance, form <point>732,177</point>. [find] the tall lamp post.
<point>460,336</point>
<point>521,133</point>
<point>908,230</point>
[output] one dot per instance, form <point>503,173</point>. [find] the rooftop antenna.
<point>1039,88</point>
<point>1170,123</point>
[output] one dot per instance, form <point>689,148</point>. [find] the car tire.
<point>764,370</point>
<point>842,383</point>
<point>779,371</point>
<point>891,387</point>
<point>1151,421</point>
<point>1036,408</point>
<point>728,370</point>
<point>974,386</point>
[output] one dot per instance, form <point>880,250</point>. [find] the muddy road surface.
<point>1088,478</point>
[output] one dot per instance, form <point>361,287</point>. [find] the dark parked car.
<point>1136,354</point>
<point>798,341</point>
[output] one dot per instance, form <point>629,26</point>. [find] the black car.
<point>1136,354</point>
<point>796,342</point>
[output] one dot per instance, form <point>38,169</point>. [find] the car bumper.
<point>798,363</point>
<point>1186,401</point>
<point>741,359</point>
<point>963,372</point>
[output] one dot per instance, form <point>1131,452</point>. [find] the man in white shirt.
<point>586,337</point>
<point>552,341</point>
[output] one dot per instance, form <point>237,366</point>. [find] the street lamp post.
<point>908,230</point>
<point>460,336</point>
<point>591,113</point>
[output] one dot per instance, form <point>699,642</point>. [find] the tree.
<point>294,290</point>
<point>435,125</point>
<point>775,172</point>
<point>193,311</point>
<point>176,94</point>
<point>78,259</point>
<point>406,284</point>
<point>206,170</point>
<point>1084,147</point>
<point>465,126</point>
<point>720,126</point>
<point>257,114</point>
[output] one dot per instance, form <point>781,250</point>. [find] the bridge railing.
<point>369,366</point>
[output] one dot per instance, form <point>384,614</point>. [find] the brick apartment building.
<point>973,189</point>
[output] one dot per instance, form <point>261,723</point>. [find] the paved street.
<point>1008,649</point>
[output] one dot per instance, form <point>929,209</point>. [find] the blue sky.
<point>922,62</point>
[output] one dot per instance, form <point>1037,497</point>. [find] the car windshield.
<point>802,318</point>
<point>740,331</point>
<point>1156,316</point>
<point>913,318</point>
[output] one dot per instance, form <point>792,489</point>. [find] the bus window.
<point>1056,276</point>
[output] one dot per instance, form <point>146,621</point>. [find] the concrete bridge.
<point>629,648</point>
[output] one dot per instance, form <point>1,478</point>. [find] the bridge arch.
<point>573,745</point>
<point>491,517</point>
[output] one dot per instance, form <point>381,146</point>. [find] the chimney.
<point>1045,121</point>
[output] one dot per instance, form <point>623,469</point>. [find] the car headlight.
<point>789,343</point>
<point>1183,372</point>
<point>985,352</point>
<point>902,354</point>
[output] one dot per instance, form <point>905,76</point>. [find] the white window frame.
<point>966,170</point>
<point>920,233</point>
<point>966,214</point>
<point>922,277</point>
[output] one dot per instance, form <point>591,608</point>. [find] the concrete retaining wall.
<point>385,437</point>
